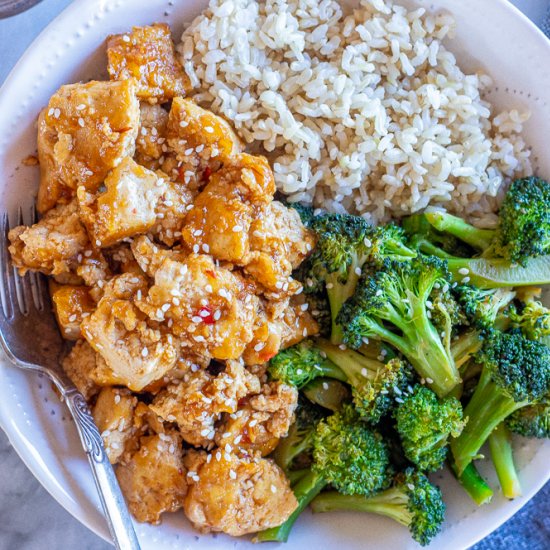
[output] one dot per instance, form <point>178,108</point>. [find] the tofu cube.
<point>71,304</point>
<point>84,132</point>
<point>147,54</point>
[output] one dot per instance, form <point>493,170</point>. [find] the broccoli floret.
<point>482,306</point>
<point>319,308</point>
<point>464,347</point>
<point>500,445</point>
<point>301,364</point>
<point>515,373</point>
<point>344,245</point>
<point>327,393</point>
<point>516,253</point>
<point>412,501</point>
<point>425,424</point>
<point>447,313</point>
<point>300,435</point>
<point>393,306</point>
<point>524,229</point>
<point>346,455</point>
<point>372,381</point>
<point>533,320</point>
<point>532,421</point>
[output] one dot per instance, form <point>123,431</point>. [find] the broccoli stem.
<point>327,393</point>
<point>466,345</point>
<point>499,273</point>
<point>427,354</point>
<point>488,407</point>
<point>474,484</point>
<point>392,503</point>
<point>305,490</point>
<point>338,293</point>
<point>350,362</point>
<point>447,223</point>
<point>500,444</point>
<point>295,475</point>
<point>289,448</point>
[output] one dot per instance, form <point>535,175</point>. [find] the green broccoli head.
<point>524,228</point>
<point>390,242</point>
<point>302,363</point>
<point>532,421</point>
<point>515,373</point>
<point>349,455</point>
<point>393,305</point>
<point>482,306</point>
<point>533,320</point>
<point>424,503</point>
<point>425,424</point>
<point>518,366</point>
<point>305,212</point>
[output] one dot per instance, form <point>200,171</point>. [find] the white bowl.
<point>491,35</point>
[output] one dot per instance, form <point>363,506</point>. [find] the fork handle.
<point>114,506</point>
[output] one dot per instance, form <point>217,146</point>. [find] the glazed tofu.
<point>84,132</point>
<point>113,414</point>
<point>236,495</point>
<point>153,479</point>
<point>208,308</point>
<point>147,54</point>
<point>79,365</point>
<point>197,401</point>
<point>261,420</point>
<point>71,304</point>
<point>198,136</point>
<point>150,257</point>
<point>126,208</point>
<point>223,212</point>
<point>136,352</point>
<point>150,142</point>
<point>52,245</point>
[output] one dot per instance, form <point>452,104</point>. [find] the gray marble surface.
<point>29,517</point>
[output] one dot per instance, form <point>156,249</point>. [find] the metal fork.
<point>32,341</point>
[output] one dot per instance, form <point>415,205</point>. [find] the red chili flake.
<point>207,315</point>
<point>265,357</point>
<point>206,174</point>
<point>210,273</point>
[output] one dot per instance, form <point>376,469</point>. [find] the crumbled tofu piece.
<point>126,208</point>
<point>147,54</point>
<point>79,365</point>
<point>197,401</point>
<point>84,132</point>
<point>199,137</point>
<point>113,414</point>
<point>210,309</point>
<point>70,303</point>
<point>53,244</point>
<point>262,420</point>
<point>150,256</point>
<point>238,496</point>
<point>134,350</point>
<point>153,479</point>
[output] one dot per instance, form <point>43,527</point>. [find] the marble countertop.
<point>32,520</point>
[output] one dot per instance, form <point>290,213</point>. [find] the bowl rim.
<point>18,439</point>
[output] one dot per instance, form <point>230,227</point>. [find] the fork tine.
<point>35,284</point>
<point>7,279</point>
<point>22,282</point>
<point>43,292</point>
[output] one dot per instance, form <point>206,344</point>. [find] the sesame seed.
<point>237,228</point>
<point>368,242</point>
<point>57,113</point>
<point>199,148</point>
<point>325,385</point>
<point>209,129</point>
<point>98,242</point>
<point>259,347</point>
<point>165,307</point>
<point>429,380</point>
<point>397,390</point>
<point>343,347</point>
<point>51,111</point>
<point>217,315</point>
<point>232,474</point>
<point>81,122</point>
<point>364,372</point>
<point>206,248</point>
<point>197,233</point>
<point>198,338</point>
<point>117,399</point>
<point>144,352</point>
<point>184,123</point>
<point>188,152</point>
<point>209,289</point>
<point>304,307</point>
<point>466,280</point>
<point>329,285</point>
<point>399,400</point>
<point>273,489</point>
<point>126,38</point>
<point>237,440</point>
<point>205,432</point>
<point>379,292</point>
<point>72,318</point>
<point>196,319</point>
<point>358,271</point>
<point>464,271</point>
<point>252,423</point>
